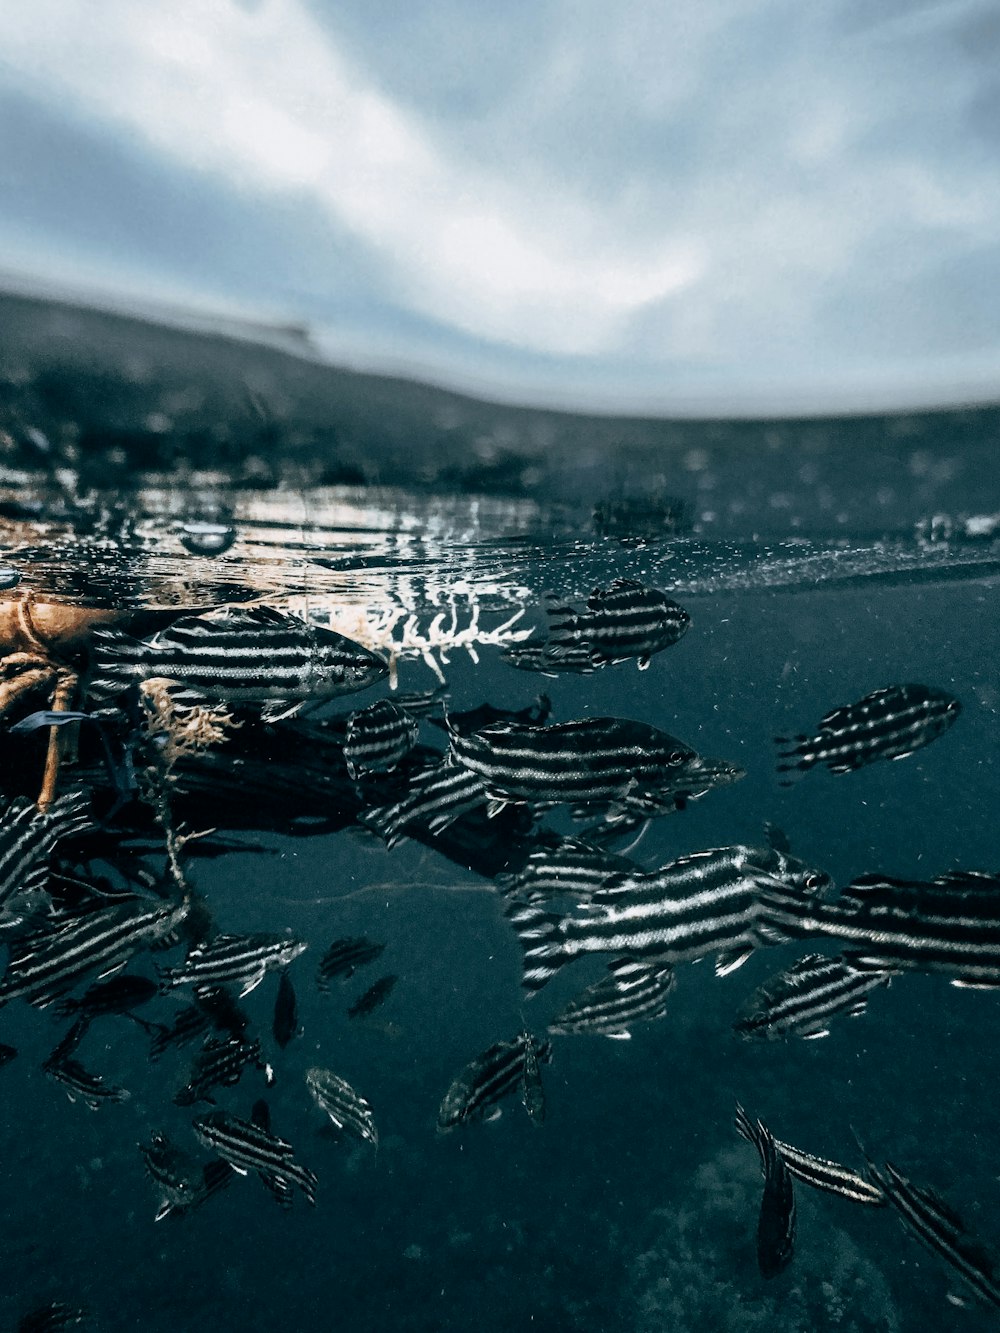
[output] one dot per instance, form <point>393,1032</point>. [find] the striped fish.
<point>220,1064</point>
<point>118,996</point>
<point>378,738</point>
<point>602,760</point>
<point>888,724</point>
<point>344,957</point>
<point>240,655</point>
<point>776,1220</point>
<point>437,797</point>
<point>932,1221</point>
<point>709,902</point>
<point>81,1085</point>
<point>821,1174</point>
<point>183,1182</point>
<point>625,620</point>
<point>241,960</point>
<point>631,993</point>
<point>213,1007</point>
<point>573,659</point>
<point>48,963</point>
<point>49,1318</point>
<point>346,1108</point>
<point>932,928</point>
<point>492,1076</point>
<point>247,1146</point>
<point>802,1000</point>
<point>28,838</point>
<point>485,715</point>
<point>532,1092</point>
<point>571,867</point>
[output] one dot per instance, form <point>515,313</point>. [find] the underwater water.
<point>634,1205</point>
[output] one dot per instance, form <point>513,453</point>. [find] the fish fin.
<point>116,656</point>
<point>543,939</point>
<point>731,959</point>
<point>624,1035</point>
<point>70,814</point>
<point>815,1036</point>
<point>280,710</point>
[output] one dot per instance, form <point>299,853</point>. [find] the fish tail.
<point>70,814</point>
<point>387,821</point>
<point>543,939</point>
<point>116,656</point>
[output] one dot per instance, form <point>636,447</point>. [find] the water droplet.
<point>9,577</point>
<point>205,538</point>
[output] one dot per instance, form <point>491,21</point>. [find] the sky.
<point>743,206</point>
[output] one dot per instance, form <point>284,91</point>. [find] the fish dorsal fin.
<point>968,879</point>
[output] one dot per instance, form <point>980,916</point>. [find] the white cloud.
<point>261,98</point>
<point>635,194</point>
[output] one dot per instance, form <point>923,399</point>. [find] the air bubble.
<point>204,538</point>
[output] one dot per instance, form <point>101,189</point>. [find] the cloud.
<point>635,199</point>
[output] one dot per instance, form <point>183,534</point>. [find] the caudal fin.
<point>543,939</point>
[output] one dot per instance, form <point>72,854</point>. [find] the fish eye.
<point>815,880</point>
<point>676,757</point>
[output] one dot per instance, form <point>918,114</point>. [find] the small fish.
<point>777,838</point>
<point>220,1063</point>
<point>28,838</point>
<point>709,902</point>
<point>46,964</point>
<point>821,1174</point>
<point>437,797</point>
<point>532,1092</point>
<point>602,760</point>
<point>247,1146</point>
<point>932,1221</point>
<point>378,738</point>
<point>344,957</point>
<point>887,724</point>
<point>375,995</point>
<point>346,1108</point>
<point>242,960</point>
<point>632,992</point>
<point>625,620</point>
<point>117,996</point>
<point>285,1025</point>
<point>81,1085</point>
<point>493,1075</point>
<point>776,1221</point>
<point>576,659</point>
<point>472,719</point>
<point>239,655</point>
<point>183,1182</point>
<point>49,1318</point>
<point>802,1000</point>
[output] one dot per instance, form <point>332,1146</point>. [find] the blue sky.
<point>743,205</point>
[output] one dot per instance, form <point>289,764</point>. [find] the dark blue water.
<point>634,1206</point>
<point>819,561</point>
